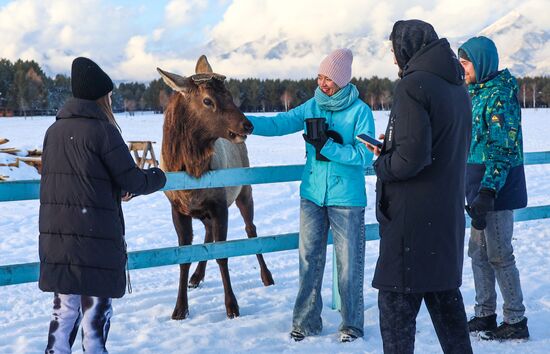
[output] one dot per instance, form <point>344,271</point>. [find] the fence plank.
<point>234,177</point>
<point>536,158</point>
<point>28,190</point>
<point>19,273</point>
<point>28,272</point>
<point>19,190</point>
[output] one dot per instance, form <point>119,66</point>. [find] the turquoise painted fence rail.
<point>28,272</point>
<point>28,190</point>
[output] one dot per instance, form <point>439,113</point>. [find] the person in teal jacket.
<point>332,194</point>
<point>495,186</point>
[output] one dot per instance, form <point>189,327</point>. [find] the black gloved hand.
<point>318,144</point>
<point>334,135</point>
<point>483,203</point>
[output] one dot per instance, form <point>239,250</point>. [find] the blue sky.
<point>242,38</point>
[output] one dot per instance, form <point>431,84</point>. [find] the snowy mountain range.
<point>523,48</point>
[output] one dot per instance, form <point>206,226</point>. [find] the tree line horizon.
<point>26,90</point>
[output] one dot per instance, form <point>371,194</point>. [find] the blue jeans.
<point>493,259</point>
<point>348,230</point>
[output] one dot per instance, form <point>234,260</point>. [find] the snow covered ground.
<point>141,321</point>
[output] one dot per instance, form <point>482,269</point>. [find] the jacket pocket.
<point>347,184</point>
<point>381,204</point>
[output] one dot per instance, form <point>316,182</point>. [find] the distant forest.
<point>26,90</point>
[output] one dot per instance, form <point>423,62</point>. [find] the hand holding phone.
<point>364,138</point>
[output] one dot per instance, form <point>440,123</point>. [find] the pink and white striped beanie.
<point>337,66</point>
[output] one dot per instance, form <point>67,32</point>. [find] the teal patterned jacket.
<point>495,160</point>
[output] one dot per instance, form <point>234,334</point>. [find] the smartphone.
<point>368,139</point>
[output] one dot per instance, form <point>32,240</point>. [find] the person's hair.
<point>105,105</point>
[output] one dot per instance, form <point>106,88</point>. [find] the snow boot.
<point>508,331</point>
<point>479,324</point>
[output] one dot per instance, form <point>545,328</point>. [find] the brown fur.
<point>198,119</point>
<point>185,146</point>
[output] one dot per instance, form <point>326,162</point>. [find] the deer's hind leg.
<point>245,203</point>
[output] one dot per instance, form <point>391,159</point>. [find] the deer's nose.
<point>248,127</point>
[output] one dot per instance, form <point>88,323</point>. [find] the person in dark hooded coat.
<point>420,193</point>
<point>85,166</point>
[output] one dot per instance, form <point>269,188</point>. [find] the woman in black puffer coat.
<point>86,165</point>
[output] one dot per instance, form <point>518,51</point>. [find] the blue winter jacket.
<point>341,181</point>
<point>495,160</point>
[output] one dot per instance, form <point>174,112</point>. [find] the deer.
<point>204,130</point>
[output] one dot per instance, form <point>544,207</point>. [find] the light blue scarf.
<point>339,101</point>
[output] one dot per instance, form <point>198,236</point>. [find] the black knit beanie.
<point>88,81</point>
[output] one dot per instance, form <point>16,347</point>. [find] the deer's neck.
<point>199,152</point>
<point>187,152</point>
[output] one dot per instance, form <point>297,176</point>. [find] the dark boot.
<point>508,331</point>
<point>479,324</point>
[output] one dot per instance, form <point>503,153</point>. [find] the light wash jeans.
<point>71,311</point>
<point>493,259</point>
<point>348,230</point>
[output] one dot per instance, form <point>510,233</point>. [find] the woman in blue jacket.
<point>332,194</point>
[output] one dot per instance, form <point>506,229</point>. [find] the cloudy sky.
<point>130,38</point>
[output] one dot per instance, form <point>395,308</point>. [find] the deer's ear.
<point>175,81</point>
<point>203,66</point>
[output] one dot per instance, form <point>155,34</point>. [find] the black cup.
<point>314,126</point>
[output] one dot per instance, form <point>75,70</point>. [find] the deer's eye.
<point>208,102</point>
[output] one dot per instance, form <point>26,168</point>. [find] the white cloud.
<point>538,12</point>
<point>129,46</point>
<point>141,65</point>
<point>50,31</point>
<point>157,34</point>
<point>452,18</point>
<point>270,22</point>
<point>180,12</point>
<point>249,20</point>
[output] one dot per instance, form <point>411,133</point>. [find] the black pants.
<point>398,320</point>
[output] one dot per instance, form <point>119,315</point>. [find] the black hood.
<point>76,107</point>
<point>408,37</point>
<point>418,48</point>
<point>437,58</point>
